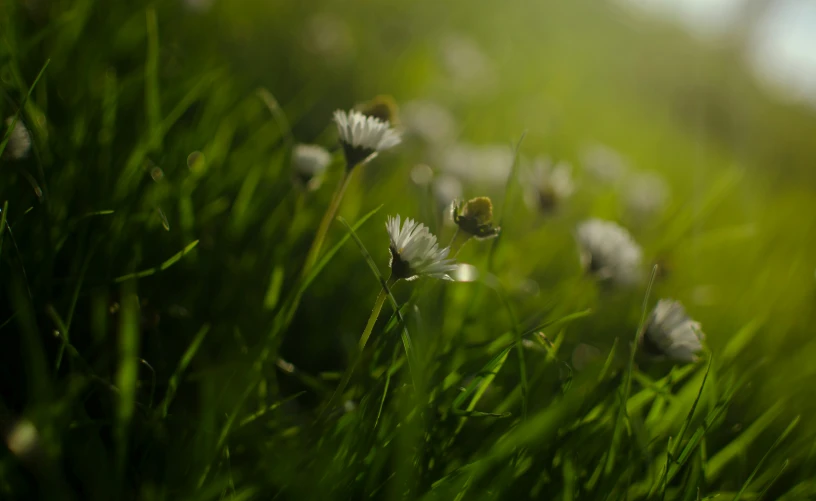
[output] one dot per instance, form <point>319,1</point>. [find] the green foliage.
<point>231,369</point>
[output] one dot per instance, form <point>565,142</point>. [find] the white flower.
<point>363,137</point>
<point>489,164</point>
<point>308,163</point>
<point>415,252</point>
<point>329,37</point>
<point>429,121</point>
<point>609,252</point>
<point>447,188</point>
<point>19,142</point>
<point>646,194</point>
<point>548,184</point>
<point>470,70</point>
<point>200,6</point>
<point>671,333</point>
<point>603,163</point>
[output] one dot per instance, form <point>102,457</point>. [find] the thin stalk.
<point>458,243</point>
<point>453,238</point>
<point>372,319</point>
<point>361,344</point>
<point>328,217</point>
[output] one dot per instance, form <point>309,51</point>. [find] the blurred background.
<point>690,122</point>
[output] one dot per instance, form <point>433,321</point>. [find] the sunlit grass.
<point>176,326</point>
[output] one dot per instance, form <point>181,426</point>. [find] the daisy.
<point>485,164</point>
<point>308,163</point>
<point>671,333</point>
<point>415,252</point>
<point>429,121</point>
<point>363,137</point>
<point>469,70</point>
<point>646,194</point>
<point>548,184</point>
<point>329,37</point>
<point>475,217</point>
<point>609,252</point>
<point>446,189</point>
<point>603,163</point>
<point>19,141</point>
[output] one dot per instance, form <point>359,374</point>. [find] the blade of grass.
<point>477,388</point>
<point>72,308</point>
<point>134,163</point>
<point>738,445</point>
<point>388,374</point>
<point>507,188</point>
<point>189,353</point>
<point>690,415</point>
<point>16,115</point>
<point>224,433</point>
<point>152,100</point>
<point>290,305</point>
<point>779,440</point>
<point>493,367</point>
<point>608,362</point>
<point>672,451</point>
<point>127,376</point>
<point>277,113</point>
<point>151,271</point>
<point>493,282</point>
<point>773,480</point>
<point>272,407</point>
<point>697,437</point>
<point>406,337</point>
<point>3,223</point>
<point>627,382</point>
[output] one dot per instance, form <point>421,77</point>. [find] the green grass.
<point>169,332</point>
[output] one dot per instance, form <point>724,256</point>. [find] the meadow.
<point>203,295</point>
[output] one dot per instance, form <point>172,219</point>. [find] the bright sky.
<point>782,49</point>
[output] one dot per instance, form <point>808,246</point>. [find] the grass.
<point>171,331</point>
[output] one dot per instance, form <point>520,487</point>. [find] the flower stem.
<point>325,223</point>
<point>372,319</point>
<point>458,243</point>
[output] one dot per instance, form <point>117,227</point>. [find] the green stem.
<point>372,319</point>
<point>328,217</point>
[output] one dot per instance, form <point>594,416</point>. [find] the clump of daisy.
<point>19,141</point>
<point>309,161</point>
<point>646,194</point>
<point>488,164</point>
<point>429,121</point>
<point>383,108</point>
<point>363,137</point>
<point>609,252</point>
<point>549,184</point>
<point>475,217</point>
<point>415,252</point>
<point>329,37</point>
<point>604,163</point>
<point>469,69</point>
<point>671,333</point>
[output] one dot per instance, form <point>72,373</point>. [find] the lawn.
<point>195,306</point>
